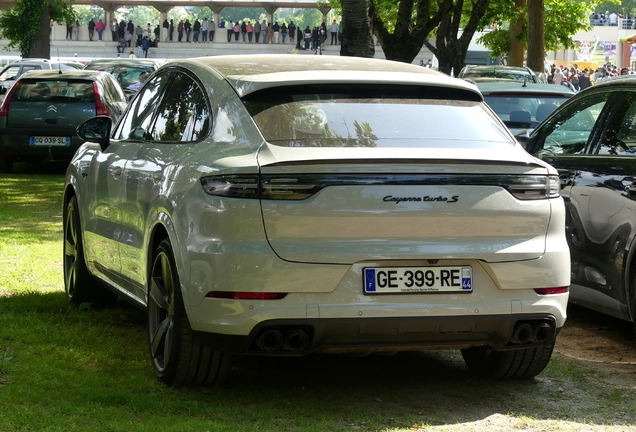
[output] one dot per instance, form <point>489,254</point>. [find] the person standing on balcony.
<point>257,31</point>
<point>276,31</point>
<point>333,29</point>
<point>91,29</point>
<point>164,30</point>
<point>114,26</point>
<point>188,29</point>
<point>196,29</point>
<point>250,31</point>
<point>100,26</point>
<point>205,26</point>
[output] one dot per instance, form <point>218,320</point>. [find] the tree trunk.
<point>357,40</point>
<point>408,37</point>
<point>41,46</point>
<point>450,49</point>
<point>536,55</point>
<point>515,46</point>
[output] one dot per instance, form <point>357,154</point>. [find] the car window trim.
<point>193,77</point>
<point>614,116</point>
<point>540,133</point>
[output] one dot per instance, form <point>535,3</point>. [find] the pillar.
<point>270,9</point>
<point>216,10</point>
<point>627,55</point>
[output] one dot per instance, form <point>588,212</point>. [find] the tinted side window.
<point>620,136</point>
<point>569,131</point>
<point>111,90</point>
<point>11,72</point>
<point>25,69</point>
<point>137,123</point>
<point>184,115</point>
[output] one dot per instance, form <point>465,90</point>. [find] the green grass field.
<point>69,369</point>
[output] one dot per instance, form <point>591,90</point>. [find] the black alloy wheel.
<point>178,357</point>
<point>79,285</point>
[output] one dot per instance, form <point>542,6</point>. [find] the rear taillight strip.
<point>100,108</point>
<point>4,109</point>
<point>299,187</point>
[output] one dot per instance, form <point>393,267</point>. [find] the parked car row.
<point>284,205</point>
<point>38,119</point>
<point>280,206</point>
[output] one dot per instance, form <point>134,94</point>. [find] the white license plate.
<point>50,141</point>
<point>381,280</point>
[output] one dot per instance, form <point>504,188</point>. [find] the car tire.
<point>632,299</point>
<point>516,364</point>
<point>79,285</point>
<point>178,357</point>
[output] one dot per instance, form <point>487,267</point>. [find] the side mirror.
<point>3,90</point>
<point>523,137</point>
<point>96,129</point>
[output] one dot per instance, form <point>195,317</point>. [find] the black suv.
<point>591,140</point>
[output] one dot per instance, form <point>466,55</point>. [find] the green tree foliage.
<point>84,13</point>
<point>27,25</point>
<point>562,19</point>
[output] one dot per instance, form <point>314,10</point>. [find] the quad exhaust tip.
<point>289,340</point>
<point>539,332</point>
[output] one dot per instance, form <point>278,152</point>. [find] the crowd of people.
<point>608,18</point>
<point>582,79</point>
<point>127,34</point>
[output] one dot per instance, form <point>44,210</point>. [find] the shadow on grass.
<point>368,393</point>
<point>47,167</point>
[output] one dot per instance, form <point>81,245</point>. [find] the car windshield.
<point>523,111</point>
<point>44,91</point>
<point>130,77</point>
<point>373,117</point>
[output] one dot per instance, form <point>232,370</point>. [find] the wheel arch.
<point>630,282</point>
<point>163,228</point>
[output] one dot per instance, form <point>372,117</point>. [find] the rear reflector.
<point>246,295</point>
<point>547,291</point>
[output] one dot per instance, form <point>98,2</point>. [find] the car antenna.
<point>525,83</point>
<point>59,64</point>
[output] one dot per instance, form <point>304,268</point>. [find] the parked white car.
<point>284,205</point>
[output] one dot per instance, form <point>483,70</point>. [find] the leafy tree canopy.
<point>562,19</point>
<point>21,23</point>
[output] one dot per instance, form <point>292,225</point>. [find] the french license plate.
<point>50,141</point>
<point>381,280</point>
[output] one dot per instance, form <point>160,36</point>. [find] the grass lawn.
<point>69,369</point>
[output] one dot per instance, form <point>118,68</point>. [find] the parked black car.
<point>39,115</point>
<point>591,140</point>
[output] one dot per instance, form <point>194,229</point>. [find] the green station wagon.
<point>39,115</point>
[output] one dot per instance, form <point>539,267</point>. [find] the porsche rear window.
<point>371,116</point>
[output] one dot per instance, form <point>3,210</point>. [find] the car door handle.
<point>115,171</point>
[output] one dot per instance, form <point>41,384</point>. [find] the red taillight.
<point>547,291</point>
<point>100,109</point>
<point>4,109</point>
<point>246,295</point>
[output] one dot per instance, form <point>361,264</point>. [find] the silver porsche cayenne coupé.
<point>286,205</point>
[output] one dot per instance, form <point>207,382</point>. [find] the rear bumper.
<point>388,334</point>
